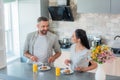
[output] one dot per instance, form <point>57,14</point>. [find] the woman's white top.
<point>79,58</point>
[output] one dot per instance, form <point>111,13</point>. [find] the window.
<point>11,30</point>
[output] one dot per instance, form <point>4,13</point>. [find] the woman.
<point>80,54</point>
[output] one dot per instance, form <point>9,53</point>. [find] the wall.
<point>106,26</point>
<point>29,11</point>
<point>2,38</point>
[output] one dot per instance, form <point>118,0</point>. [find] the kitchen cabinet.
<point>115,6</point>
<point>60,60</point>
<point>2,38</point>
<point>28,12</point>
<point>93,6</point>
<point>98,6</point>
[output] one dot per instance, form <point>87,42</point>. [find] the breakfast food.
<point>44,67</point>
<point>67,71</point>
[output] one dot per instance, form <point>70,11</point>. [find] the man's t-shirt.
<point>41,48</point>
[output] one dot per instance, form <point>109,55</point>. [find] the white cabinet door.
<point>60,60</point>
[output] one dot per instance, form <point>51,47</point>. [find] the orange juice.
<point>57,71</point>
<point>35,68</point>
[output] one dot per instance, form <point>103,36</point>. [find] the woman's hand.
<point>80,69</point>
<point>67,62</point>
<point>84,69</point>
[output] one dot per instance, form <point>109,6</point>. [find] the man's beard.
<point>44,32</point>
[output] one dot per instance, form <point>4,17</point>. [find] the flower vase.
<point>100,73</point>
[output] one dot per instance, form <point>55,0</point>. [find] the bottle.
<point>35,67</point>
<point>57,71</point>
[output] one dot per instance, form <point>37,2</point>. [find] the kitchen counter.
<point>65,50</point>
<point>7,77</point>
<point>23,71</point>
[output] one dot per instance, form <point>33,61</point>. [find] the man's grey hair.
<point>42,19</point>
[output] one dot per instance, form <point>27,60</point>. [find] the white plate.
<point>40,68</point>
<point>63,71</point>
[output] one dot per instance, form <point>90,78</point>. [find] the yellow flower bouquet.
<point>102,54</point>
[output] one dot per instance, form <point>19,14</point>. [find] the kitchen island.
<point>23,71</point>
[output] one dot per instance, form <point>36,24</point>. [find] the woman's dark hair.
<point>81,34</point>
<point>42,19</point>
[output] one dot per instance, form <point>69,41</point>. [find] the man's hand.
<point>30,56</point>
<point>51,59</point>
<point>67,62</point>
<point>34,58</point>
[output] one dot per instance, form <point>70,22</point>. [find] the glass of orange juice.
<point>57,71</point>
<point>35,67</point>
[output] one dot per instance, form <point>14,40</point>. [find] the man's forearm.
<point>31,57</point>
<point>57,55</point>
<point>27,54</point>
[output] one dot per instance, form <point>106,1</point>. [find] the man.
<point>39,45</point>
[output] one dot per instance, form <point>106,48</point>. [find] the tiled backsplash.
<point>107,26</point>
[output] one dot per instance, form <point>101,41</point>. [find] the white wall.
<point>105,25</point>
<point>2,38</point>
<point>29,11</point>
